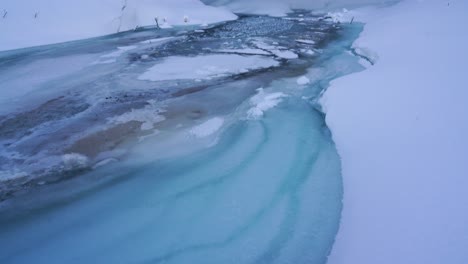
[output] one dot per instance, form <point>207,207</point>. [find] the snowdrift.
<point>25,23</point>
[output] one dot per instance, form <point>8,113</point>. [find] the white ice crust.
<point>205,67</point>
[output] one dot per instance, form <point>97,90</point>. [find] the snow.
<point>207,128</point>
<point>303,80</point>
<point>262,102</point>
<point>401,129</point>
<point>11,175</point>
<point>65,20</point>
<point>282,7</point>
<point>367,53</point>
<point>208,67</point>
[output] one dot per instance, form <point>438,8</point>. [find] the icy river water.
<point>183,145</point>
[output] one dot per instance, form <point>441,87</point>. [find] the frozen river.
<point>184,145</point>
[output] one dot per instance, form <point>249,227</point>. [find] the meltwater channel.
<point>252,176</point>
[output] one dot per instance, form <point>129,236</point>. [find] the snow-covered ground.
<point>401,129</point>
<point>52,21</point>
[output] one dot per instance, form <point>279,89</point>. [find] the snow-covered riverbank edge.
<point>43,22</point>
<point>400,127</point>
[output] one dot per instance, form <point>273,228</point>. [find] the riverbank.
<point>400,128</point>
<point>43,22</point>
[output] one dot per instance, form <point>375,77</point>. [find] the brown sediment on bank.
<point>105,140</point>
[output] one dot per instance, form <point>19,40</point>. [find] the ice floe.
<point>305,41</point>
<point>207,128</point>
<point>205,67</point>
<point>278,51</point>
<point>148,116</point>
<point>262,102</point>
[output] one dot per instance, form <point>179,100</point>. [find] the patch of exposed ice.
<point>148,116</point>
<point>104,162</point>
<point>308,51</point>
<point>20,80</point>
<point>305,41</point>
<point>207,67</point>
<point>207,128</point>
<point>278,51</point>
<point>6,175</point>
<point>104,61</point>
<point>112,57</point>
<point>118,52</point>
<point>261,102</point>
<point>156,40</point>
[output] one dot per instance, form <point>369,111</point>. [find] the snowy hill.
<point>401,129</point>
<point>25,23</point>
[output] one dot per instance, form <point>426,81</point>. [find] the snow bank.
<point>401,129</point>
<point>282,7</point>
<point>207,67</point>
<point>25,23</point>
